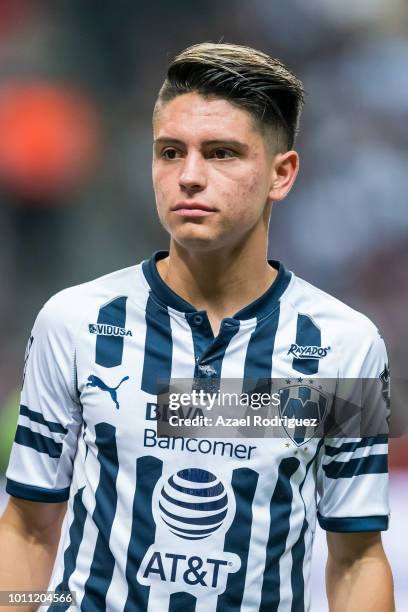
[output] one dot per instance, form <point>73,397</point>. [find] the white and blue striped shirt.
<point>188,524</point>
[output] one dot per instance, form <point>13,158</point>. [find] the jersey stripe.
<point>280,510</point>
<point>38,494</point>
<point>351,524</point>
<point>217,351</point>
<point>258,359</point>
<point>373,464</point>
<point>109,349</point>
<point>307,334</point>
<point>238,537</point>
<point>234,358</point>
<point>299,547</point>
<point>183,362</point>
<point>349,447</point>
<point>202,338</point>
<point>158,348</point>
<point>103,561</point>
<point>182,602</point>
<point>38,418</point>
<point>296,578</point>
<point>42,444</point>
<point>207,349</point>
<point>76,533</point>
<point>148,472</point>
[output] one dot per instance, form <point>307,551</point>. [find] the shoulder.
<point>351,334</point>
<point>304,295</point>
<point>65,310</point>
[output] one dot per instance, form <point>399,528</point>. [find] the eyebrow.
<point>214,142</point>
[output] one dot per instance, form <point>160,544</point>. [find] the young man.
<point>172,524</point>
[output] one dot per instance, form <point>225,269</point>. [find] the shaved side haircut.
<point>247,78</point>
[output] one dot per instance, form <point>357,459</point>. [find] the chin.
<point>198,240</point>
<point>196,245</point>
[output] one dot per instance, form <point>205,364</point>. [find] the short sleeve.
<point>352,472</point>
<point>40,465</point>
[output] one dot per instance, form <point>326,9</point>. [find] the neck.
<point>221,281</point>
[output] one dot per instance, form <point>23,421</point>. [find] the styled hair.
<point>247,78</point>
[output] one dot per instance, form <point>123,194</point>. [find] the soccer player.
<point>179,524</point>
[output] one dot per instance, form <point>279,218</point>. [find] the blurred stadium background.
<point>77,85</point>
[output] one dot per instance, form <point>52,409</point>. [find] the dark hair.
<point>246,77</point>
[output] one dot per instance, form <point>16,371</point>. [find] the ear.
<point>284,173</point>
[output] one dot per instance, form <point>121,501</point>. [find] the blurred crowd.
<point>77,85</point>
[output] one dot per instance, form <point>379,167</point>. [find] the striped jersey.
<point>181,524</point>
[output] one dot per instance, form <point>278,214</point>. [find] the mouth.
<point>192,209</point>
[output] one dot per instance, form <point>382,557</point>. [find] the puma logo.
<point>94,381</point>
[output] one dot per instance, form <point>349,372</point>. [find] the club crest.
<point>305,408</point>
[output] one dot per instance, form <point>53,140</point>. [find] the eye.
<point>221,153</point>
<point>169,153</point>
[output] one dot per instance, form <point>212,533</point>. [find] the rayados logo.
<point>308,352</point>
<point>102,329</point>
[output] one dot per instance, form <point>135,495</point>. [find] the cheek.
<point>246,199</point>
<point>161,189</point>
<point>160,198</point>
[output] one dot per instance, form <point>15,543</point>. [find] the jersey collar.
<point>261,307</point>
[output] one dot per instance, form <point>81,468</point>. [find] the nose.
<point>193,175</point>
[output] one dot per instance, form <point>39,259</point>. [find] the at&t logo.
<point>192,504</point>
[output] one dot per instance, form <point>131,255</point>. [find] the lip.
<point>192,209</point>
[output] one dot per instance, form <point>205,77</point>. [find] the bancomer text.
<point>193,445</point>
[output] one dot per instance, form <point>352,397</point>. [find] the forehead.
<point>193,115</point>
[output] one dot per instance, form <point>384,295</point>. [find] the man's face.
<point>212,171</point>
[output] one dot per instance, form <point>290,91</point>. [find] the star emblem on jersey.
<point>95,381</point>
<point>306,403</point>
